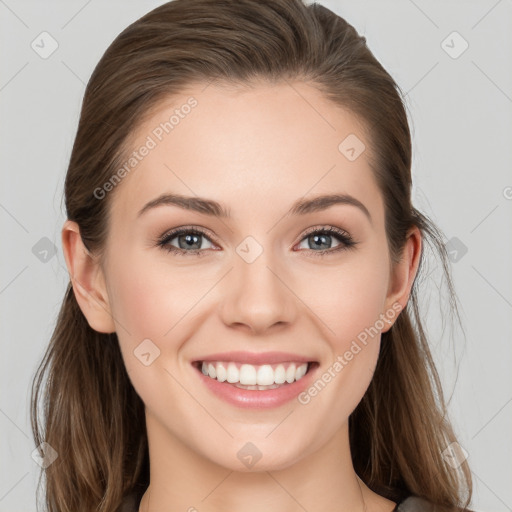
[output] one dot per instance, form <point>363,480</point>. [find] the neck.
<point>182,479</point>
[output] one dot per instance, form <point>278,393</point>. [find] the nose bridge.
<point>256,294</point>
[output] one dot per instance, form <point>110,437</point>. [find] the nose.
<point>257,296</point>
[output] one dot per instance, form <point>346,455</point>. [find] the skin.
<point>256,150</point>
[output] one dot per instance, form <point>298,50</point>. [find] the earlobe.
<point>404,273</point>
<point>87,279</point>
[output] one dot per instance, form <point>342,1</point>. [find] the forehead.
<point>250,145</point>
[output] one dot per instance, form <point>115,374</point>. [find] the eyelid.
<point>177,231</point>
<point>326,228</point>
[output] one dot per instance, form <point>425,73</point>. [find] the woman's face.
<point>263,283</point>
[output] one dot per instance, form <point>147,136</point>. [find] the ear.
<point>87,279</point>
<point>403,274</point>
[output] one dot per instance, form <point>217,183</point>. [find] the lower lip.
<point>255,399</point>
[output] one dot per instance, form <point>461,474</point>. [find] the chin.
<point>251,457</point>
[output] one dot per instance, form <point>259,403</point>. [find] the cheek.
<point>148,301</point>
<point>138,301</point>
<point>153,299</point>
<point>348,298</point>
<point>149,297</point>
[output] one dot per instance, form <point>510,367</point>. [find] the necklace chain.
<point>362,497</point>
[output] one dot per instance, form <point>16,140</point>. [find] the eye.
<point>318,238</point>
<point>188,241</point>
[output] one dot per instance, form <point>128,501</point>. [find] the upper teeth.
<point>248,374</point>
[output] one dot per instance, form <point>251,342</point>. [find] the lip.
<point>255,399</point>
<point>255,358</point>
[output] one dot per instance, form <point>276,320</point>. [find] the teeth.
<point>249,376</point>
<point>279,374</point>
<point>222,373</point>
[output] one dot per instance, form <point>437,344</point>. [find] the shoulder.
<point>417,504</point>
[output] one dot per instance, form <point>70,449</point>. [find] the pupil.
<point>318,239</point>
<point>190,240</point>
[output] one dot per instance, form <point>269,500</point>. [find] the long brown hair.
<point>92,415</point>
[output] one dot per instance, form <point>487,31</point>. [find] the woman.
<point>241,327</point>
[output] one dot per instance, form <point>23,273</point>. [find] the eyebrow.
<point>215,209</point>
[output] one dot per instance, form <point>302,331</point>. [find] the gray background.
<point>461,112</point>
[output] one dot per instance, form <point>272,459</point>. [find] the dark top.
<point>415,504</point>
<point>411,504</point>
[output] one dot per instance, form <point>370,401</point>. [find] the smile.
<point>256,386</point>
<point>254,377</point>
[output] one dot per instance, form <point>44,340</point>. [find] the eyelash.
<point>346,241</point>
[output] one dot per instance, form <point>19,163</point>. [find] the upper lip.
<point>255,358</point>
